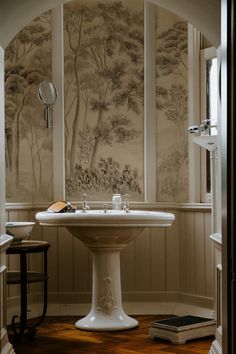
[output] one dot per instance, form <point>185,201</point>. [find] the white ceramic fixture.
<point>20,230</point>
<point>208,142</point>
<point>106,234</point>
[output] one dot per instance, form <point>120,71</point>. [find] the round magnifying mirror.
<point>47,93</point>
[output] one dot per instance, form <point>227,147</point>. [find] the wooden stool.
<point>24,277</point>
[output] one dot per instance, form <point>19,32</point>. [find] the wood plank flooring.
<point>58,335</point>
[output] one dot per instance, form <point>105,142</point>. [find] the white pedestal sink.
<point>106,234</point>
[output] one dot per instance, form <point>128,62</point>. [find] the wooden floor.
<point>58,335</point>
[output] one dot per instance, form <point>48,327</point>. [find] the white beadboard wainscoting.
<point>162,271</point>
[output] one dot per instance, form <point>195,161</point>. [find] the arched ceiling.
<point>203,14</point>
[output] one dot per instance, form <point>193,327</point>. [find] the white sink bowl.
<point>20,230</point>
<point>208,142</point>
<point>113,228</point>
<point>106,234</point>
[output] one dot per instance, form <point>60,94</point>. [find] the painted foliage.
<point>172,107</point>
<point>104,87</point>
<point>28,142</point>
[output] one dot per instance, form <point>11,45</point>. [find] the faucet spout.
<point>126,206</point>
<point>85,206</point>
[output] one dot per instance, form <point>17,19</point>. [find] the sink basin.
<point>20,230</point>
<point>208,142</point>
<point>97,228</point>
<point>106,234</point>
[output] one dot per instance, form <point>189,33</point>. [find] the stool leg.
<point>23,291</point>
<point>45,289</point>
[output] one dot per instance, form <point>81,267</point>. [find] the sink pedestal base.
<point>106,313</point>
<point>96,321</point>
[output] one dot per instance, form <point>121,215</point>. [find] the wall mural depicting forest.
<point>28,142</point>
<point>104,94</point>
<point>104,104</point>
<point>172,107</point>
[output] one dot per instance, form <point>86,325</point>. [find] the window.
<point>208,103</point>
<point>203,86</point>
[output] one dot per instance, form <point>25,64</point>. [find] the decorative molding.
<point>107,301</point>
<point>133,205</point>
<point>194,111</point>
<point>5,241</point>
<point>2,145</point>
<point>150,102</point>
<point>58,110</point>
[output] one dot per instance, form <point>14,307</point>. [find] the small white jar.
<point>116,201</point>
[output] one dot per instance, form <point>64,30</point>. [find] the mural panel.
<point>28,142</point>
<point>104,84</point>
<point>172,107</point>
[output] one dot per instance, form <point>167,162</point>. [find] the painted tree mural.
<point>172,107</point>
<point>27,62</point>
<point>103,98</point>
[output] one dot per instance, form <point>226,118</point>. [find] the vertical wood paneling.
<point>208,257</point>
<point>174,259</point>
<point>82,267</point>
<point>157,259</point>
<point>142,252</point>
<point>32,215</point>
<point>172,256</point>
<point>200,265</point>
<point>50,234</point>
<point>190,254</point>
<point>13,260</point>
<point>183,251</point>
<point>23,215</point>
<point>35,260</point>
<point>65,261</point>
<point>128,268</point>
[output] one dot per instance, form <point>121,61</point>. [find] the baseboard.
<point>197,300</point>
<point>132,297</point>
<point>136,303</point>
<point>13,307</point>
<point>133,308</point>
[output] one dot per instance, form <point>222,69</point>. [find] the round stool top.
<point>28,246</point>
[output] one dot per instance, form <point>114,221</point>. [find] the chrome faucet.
<point>85,206</point>
<point>193,129</point>
<point>126,206</point>
<point>203,129</point>
<point>206,127</point>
